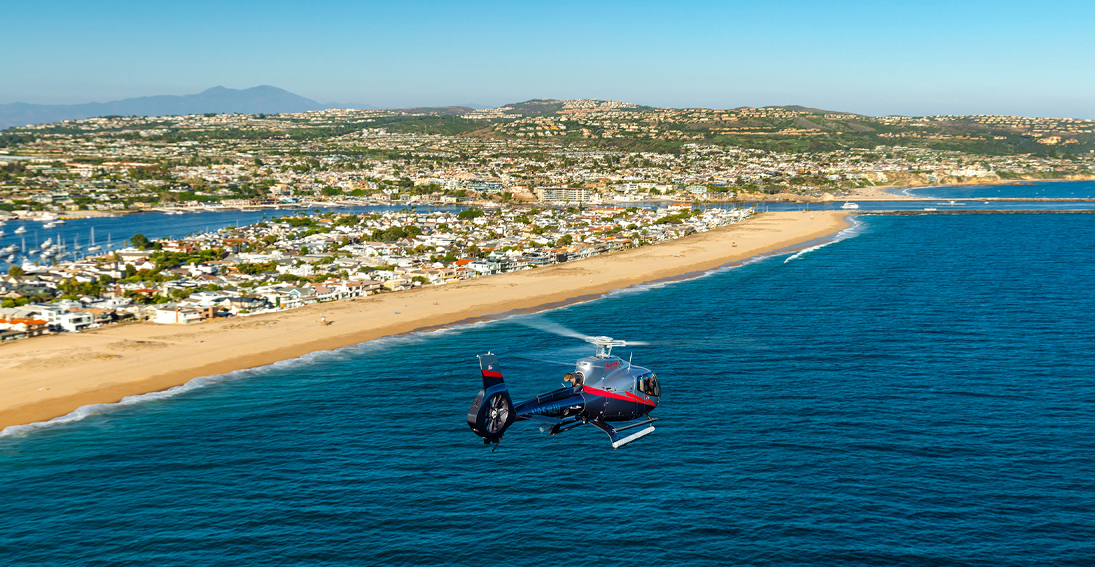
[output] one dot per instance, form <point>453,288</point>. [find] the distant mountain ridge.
<point>263,99</point>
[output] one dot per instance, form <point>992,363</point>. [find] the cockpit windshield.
<point>648,384</point>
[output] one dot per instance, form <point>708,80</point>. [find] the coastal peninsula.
<point>52,376</point>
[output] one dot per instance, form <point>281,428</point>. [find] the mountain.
<point>256,100</point>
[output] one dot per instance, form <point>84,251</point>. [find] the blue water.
<point>1020,190</point>
<point>941,205</point>
<point>920,393</point>
<point>968,198</point>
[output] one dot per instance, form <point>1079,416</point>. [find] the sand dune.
<point>51,376</point>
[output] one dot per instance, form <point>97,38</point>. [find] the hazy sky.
<point>874,57</point>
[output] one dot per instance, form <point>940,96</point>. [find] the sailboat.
<point>93,247</point>
<point>21,230</point>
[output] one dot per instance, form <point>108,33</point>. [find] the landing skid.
<point>620,439</point>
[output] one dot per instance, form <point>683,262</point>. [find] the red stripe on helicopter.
<point>599,392</point>
<point>492,374</point>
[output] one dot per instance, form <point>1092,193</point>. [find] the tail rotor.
<point>498,409</point>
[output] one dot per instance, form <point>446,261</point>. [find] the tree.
<point>15,271</point>
<point>130,271</point>
<point>140,241</point>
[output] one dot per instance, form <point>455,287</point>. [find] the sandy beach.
<point>52,376</point>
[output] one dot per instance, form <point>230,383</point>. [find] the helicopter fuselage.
<point>608,389</point>
<point>603,388</point>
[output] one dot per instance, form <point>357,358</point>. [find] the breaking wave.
<point>855,229</point>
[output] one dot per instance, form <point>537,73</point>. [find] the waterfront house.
<point>172,314</point>
<point>24,327</point>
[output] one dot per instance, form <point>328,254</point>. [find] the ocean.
<point>918,392</point>
<point>1016,190</point>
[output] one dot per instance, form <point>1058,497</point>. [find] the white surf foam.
<point>96,409</point>
<point>855,229</point>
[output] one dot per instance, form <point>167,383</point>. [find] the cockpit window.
<point>648,384</point>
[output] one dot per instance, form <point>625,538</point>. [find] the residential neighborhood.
<point>292,261</point>
<point>550,152</point>
<point>451,194</point>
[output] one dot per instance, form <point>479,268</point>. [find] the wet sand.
<point>47,377</point>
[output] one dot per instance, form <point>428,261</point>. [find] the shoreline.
<point>51,377</point>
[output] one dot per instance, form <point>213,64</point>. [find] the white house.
<point>176,315</point>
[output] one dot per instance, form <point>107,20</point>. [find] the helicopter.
<point>603,389</point>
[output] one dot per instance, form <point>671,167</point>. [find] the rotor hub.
<point>605,345</point>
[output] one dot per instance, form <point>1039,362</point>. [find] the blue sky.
<point>879,57</point>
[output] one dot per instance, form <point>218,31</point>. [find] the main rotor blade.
<point>550,327</point>
<point>542,324</point>
<point>529,358</point>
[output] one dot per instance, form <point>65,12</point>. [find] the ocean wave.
<point>96,409</point>
<point>852,231</point>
